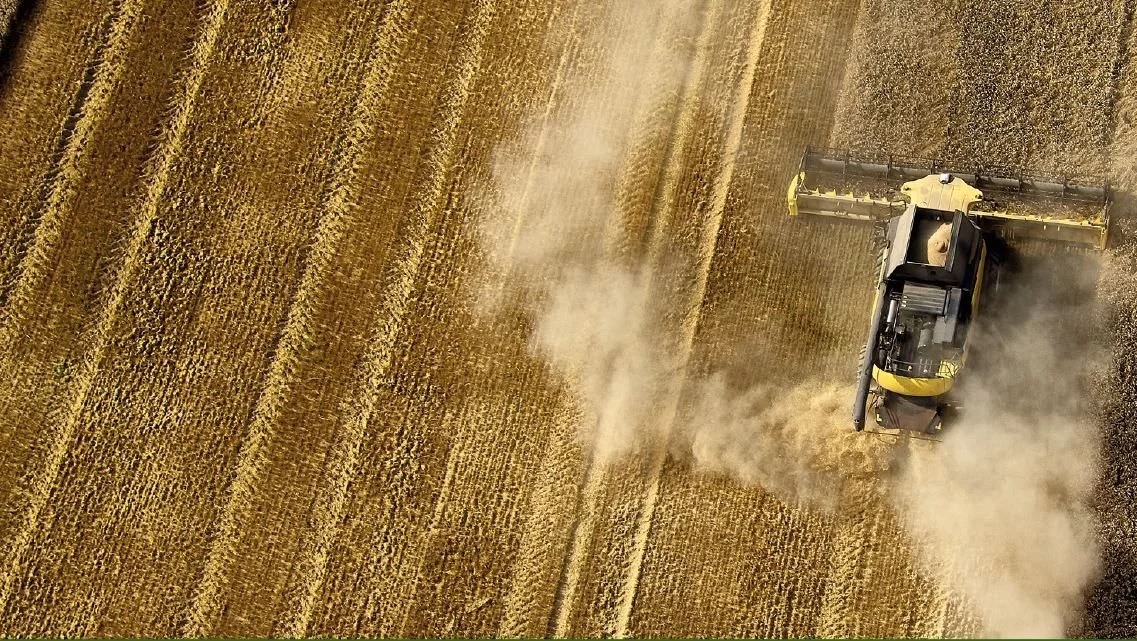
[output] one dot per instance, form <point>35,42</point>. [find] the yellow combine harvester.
<point>938,255</point>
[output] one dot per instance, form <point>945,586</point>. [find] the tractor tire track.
<point>544,547</point>
<point>627,235</point>
<point>590,495</point>
<point>40,484</point>
<point>706,251</point>
<point>568,51</point>
<point>30,246</point>
<point>298,329</point>
<point>531,605</point>
<point>722,186</point>
<point>657,128</point>
<point>783,24</point>
<point>638,174</point>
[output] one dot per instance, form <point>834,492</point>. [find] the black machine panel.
<point>921,327</point>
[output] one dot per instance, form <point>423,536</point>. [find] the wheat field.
<point>485,318</point>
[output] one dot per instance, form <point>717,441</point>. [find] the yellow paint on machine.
<point>931,193</point>
<point>975,298</point>
<point>911,386</point>
<point>791,197</point>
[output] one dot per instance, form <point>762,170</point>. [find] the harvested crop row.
<point>361,421</point>
<point>66,269</point>
<point>383,325</point>
<point>298,334</point>
<point>462,483</point>
<point>653,106</point>
<point>600,597</point>
<point>800,83</point>
<point>41,382</point>
<point>446,428</point>
<point>70,412</point>
<point>44,91</point>
<point>694,239</point>
<point>143,493</point>
<point>232,290</point>
<point>39,252</point>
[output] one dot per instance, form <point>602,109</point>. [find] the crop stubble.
<point>252,393</point>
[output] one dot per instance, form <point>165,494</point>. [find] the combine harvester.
<point>942,227</point>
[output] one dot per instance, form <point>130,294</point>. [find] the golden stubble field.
<point>474,318</point>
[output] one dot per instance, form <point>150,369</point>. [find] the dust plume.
<point>793,441</point>
<point>1001,509</point>
<point>566,248</point>
<point>595,326</point>
<point>561,191</point>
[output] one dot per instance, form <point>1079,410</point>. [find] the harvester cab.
<point>939,227</point>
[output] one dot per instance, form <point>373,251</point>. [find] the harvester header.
<point>1012,203</point>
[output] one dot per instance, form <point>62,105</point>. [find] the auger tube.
<point>865,376</point>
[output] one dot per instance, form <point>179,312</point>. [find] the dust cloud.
<point>595,326</point>
<point>556,242</point>
<point>560,245</point>
<point>793,441</point>
<point>1001,509</point>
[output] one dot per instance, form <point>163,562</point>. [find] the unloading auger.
<point>939,221</point>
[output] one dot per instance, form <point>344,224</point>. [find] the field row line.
<point>388,326</point>
<point>592,488</point>
<point>708,241</point>
<point>518,611</point>
<point>296,337</point>
<point>61,181</point>
<point>538,149</point>
<point>43,478</point>
<point>429,202</point>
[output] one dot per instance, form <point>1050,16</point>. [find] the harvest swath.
<point>261,375</point>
